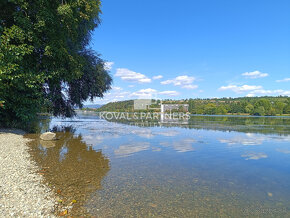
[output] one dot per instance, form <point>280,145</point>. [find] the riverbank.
<point>22,192</point>
<point>190,114</point>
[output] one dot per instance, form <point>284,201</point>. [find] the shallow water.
<point>207,167</point>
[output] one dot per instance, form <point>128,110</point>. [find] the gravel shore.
<point>22,193</point>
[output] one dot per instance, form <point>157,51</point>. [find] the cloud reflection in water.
<point>131,148</point>
<point>254,156</point>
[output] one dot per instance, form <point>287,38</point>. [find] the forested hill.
<point>118,106</point>
<point>243,105</point>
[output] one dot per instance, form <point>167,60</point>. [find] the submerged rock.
<point>48,136</point>
<point>47,144</point>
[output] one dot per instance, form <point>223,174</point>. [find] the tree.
<point>249,108</point>
<point>272,112</point>
<point>45,59</point>
<point>221,110</point>
<point>237,108</point>
<point>259,111</point>
<point>263,105</point>
<point>287,107</point>
<point>210,109</point>
<point>279,107</point>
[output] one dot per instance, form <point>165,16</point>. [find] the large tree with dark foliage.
<point>45,59</point>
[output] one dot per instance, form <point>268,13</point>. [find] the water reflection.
<point>183,145</point>
<point>264,125</point>
<point>168,132</point>
<point>73,168</point>
<point>254,156</point>
<point>253,139</point>
<point>285,151</point>
<point>209,167</point>
<point>131,148</point>
<point>243,140</point>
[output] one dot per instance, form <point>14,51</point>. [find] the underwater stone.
<point>48,136</point>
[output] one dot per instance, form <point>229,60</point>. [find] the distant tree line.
<point>259,106</point>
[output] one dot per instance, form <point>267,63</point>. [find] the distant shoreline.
<point>256,106</point>
<point>207,115</point>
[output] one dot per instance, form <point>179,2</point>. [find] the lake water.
<point>206,167</point>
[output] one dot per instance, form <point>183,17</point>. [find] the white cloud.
<point>144,93</point>
<point>254,90</point>
<point>255,74</point>
<point>131,76</point>
<point>117,88</point>
<point>190,86</point>
<point>118,94</point>
<point>184,81</point>
<point>149,93</point>
<point>239,89</point>
<point>169,93</point>
<point>108,65</point>
<point>115,94</point>
<point>269,92</point>
<point>179,81</point>
<point>283,80</point>
<point>157,77</point>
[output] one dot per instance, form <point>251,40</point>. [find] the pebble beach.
<point>22,191</point>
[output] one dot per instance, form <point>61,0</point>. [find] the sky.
<point>194,48</point>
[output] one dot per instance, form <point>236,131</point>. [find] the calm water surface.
<point>208,167</point>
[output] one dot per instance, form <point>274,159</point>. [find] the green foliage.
<point>119,106</point>
<point>259,106</point>
<point>2,104</point>
<point>221,110</point>
<point>45,61</point>
<point>263,105</point>
<point>249,108</point>
<point>279,107</point>
<point>259,111</point>
<point>287,109</point>
<point>210,109</point>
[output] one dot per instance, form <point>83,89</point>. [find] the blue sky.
<point>195,48</point>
